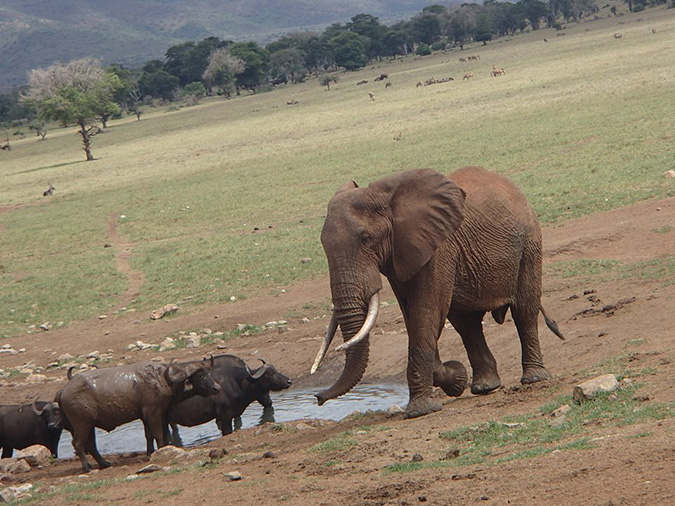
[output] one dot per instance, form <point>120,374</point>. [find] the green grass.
<point>340,443</point>
<point>580,124</point>
<point>531,436</point>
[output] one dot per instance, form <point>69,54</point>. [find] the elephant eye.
<point>365,237</point>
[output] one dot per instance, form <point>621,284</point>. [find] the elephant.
<point>451,247</point>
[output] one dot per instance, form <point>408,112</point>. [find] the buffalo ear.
<point>187,385</point>
<point>180,372</point>
<point>427,208</point>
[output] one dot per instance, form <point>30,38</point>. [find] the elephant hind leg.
<point>470,328</point>
<point>532,360</point>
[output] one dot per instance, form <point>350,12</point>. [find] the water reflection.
<point>287,405</point>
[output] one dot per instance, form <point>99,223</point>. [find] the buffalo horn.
<point>258,372</point>
<point>330,334</point>
<point>368,324</point>
<point>37,411</point>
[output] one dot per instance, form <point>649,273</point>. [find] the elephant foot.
<point>485,383</point>
<point>453,379</point>
<point>534,374</point>
<point>422,406</point>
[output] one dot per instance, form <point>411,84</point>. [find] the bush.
<point>438,46</point>
<point>423,50</point>
<point>195,89</point>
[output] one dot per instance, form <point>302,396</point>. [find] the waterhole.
<point>287,405</point>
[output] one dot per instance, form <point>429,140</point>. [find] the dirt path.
<point>629,464</point>
<point>123,251</point>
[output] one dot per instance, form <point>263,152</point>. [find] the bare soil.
<point>626,465</point>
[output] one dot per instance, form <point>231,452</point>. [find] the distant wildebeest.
<point>388,85</point>
<point>363,81</point>
<point>109,397</point>
<point>497,72</point>
<point>474,57</point>
<point>25,425</point>
<point>462,60</point>
<point>381,77</point>
<point>468,75</point>
<point>239,387</point>
<point>618,35</point>
<point>430,81</point>
<point>419,83</point>
<point>48,191</point>
<point>371,95</point>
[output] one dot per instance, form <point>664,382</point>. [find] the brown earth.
<point>628,464</point>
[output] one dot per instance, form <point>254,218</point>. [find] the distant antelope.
<point>497,72</point>
<point>462,60</point>
<point>388,85</point>
<point>617,35</point>
<point>468,75</point>
<point>48,192</point>
<point>371,95</point>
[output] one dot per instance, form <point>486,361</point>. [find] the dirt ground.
<point>600,320</point>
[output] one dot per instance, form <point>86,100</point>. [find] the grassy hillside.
<point>36,33</point>
<point>581,122</point>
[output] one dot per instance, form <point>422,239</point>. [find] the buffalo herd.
<point>161,395</point>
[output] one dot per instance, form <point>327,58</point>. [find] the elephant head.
<point>393,227</point>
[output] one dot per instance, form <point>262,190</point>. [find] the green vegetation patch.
<point>538,434</point>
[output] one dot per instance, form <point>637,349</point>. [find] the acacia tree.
<point>222,69</point>
<point>78,93</point>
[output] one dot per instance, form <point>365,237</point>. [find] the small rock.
<point>233,299</point>
<point>306,320</point>
<point>131,477</point>
<point>233,476</point>
<point>193,342</point>
<point>36,378</point>
<point>35,455</point>
<point>561,411</point>
<point>20,466</point>
<point>589,389</point>
<point>452,454</point>
<point>394,409</point>
<point>11,494</point>
<point>271,324</point>
<point>163,311</point>
<point>417,457</point>
<point>669,174</point>
<point>150,468</point>
<point>46,326</point>
<point>305,260</point>
<point>169,454</point>
<point>217,453</point>
<point>269,455</point>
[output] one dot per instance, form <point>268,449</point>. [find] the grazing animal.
<point>371,95</point>
<point>398,137</point>
<point>468,75</point>
<point>49,191</point>
<point>497,72</point>
<point>419,83</point>
<point>474,57</point>
<point>364,81</point>
<point>239,387</point>
<point>388,85</point>
<point>381,77</point>
<point>109,397</point>
<point>430,81</point>
<point>22,426</point>
<point>462,60</point>
<point>618,35</point>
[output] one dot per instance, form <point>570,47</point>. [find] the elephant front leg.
<point>420,382</point>
<point>451,376</point>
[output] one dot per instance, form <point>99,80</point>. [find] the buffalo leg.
<point>80,444</point>
<point>7,452</point>
<point>93,451</point>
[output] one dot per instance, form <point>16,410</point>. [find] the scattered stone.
<point>232,476</point>
<point>11,494</point>
<point>66,357</point>
<point>589,389</point>
<point>46,326</point>
<point>271,324</point>
<point>669,174</point>
<point>561,411</point>
<point>269,455</point>
<point>35,455</point>
<point>102,317</point>
<point>394,409</point>
<point>452,454</point>
<point>150,468</point>
<point>305,320</point>
<point>305,260</point>
<point>233,299</point>
<point>132,477</point>
<point>217,453</point>
<point>17,467</point>
<point>169,454</point>
<point>193,341</point>
<point>417,457</point>
<point>163,311</point>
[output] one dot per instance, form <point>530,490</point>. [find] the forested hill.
<point>36,33</point>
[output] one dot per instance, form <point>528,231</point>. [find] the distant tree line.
<point>223,67</point>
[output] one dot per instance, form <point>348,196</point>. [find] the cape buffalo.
<point>239,387</point>
<point>30,424</point>
<point>107,398</point>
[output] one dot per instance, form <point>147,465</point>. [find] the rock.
<point>66,357</point>
<point>46,326</point>
<point>193,342</point>
<point>669,174</point>
<point>271,324</point>
<point>305,260</point>
<point>589,389</point>
<point>394,409</point>
<point>269,455</point>
<point>417,457</point>
<point>36,378</point>
<point>14,466</point>
<point>131,477</point>
<point>163,311</point>
<point>232,476</point>
<point>150,468</point>
<point>169,454</point>
<point>11,494</point>
<point>306,320</point>
<point>561,411</point>
<point>36,456</point>
<point>217,453</point>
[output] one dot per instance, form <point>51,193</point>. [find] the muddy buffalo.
<point>239,387</point>
<point>107,398</point>
<point>22,426</point>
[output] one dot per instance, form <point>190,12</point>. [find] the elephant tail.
<point>551,324</point>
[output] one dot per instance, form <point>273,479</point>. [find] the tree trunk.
<point>86,140</point>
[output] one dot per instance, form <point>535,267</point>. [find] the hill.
<point>37,33</point>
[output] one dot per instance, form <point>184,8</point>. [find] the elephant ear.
<point>427,208</point>
<point>349,185</point>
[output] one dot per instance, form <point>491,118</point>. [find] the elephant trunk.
<point>351,324</point>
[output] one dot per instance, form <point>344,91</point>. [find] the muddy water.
<point>288,405</point>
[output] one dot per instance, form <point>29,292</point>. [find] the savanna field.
<point>218,208</point>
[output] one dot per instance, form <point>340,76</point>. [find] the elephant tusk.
<point>373,309</point>
<point>330,334</point>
